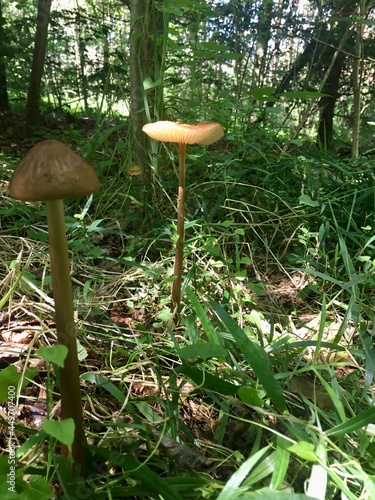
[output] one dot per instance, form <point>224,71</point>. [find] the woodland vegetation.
<point>261,384</point>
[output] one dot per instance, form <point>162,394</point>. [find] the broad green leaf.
<point>255,356</point>
<point>165,315</point>
<point>203,350</point>
<point>304,450</point>
<point>149,84</point>
<point>305,199</point>
<point>258,288</point>
<point>5,494</point>
<point>81,351</point>
<point>226,223</point>
<point>55,354</point>
<point>39,488</point>
<point>62,430</point>
<point>245,260</point>
<point>297,142</point>
<point>210,45</point>
<point>10,379</point>
<point>262,91</point>
<point>250,396</point>
<point>241,274</point>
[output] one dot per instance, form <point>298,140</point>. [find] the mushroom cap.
<point>52,171</point>
<point>201,133</point>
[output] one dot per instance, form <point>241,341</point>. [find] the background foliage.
<point>266,385</point>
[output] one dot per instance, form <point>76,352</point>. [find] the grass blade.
<point>255,356</point>
<point>351,425</point>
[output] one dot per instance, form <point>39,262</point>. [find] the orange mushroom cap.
<point>201,133</point>
<point>52,171</point>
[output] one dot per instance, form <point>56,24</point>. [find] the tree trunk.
<point>140,63</point>
<point>357,77</point>
<point>40,47</point>
<point>80,54</point>
<point>265,17</point>
<point>327,104</point>
<point>344,10</point>
<point>4,102</point>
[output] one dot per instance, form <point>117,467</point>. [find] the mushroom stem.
<point>176,285</point>
<point>71,400</point>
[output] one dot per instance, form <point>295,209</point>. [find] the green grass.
<point>265,387</point>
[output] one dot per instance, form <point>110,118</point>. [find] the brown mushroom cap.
<point>52,171</point>
<point>201,133</point>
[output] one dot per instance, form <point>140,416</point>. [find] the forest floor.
<point>126,336</point>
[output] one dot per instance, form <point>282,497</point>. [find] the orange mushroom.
<point>202,133</point>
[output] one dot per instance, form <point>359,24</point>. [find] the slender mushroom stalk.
<point>203,133</point>
<point>179,258</point>
<point>71,399</point>
<point>51,172</point>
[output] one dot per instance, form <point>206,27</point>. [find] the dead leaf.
<point>135,170</point>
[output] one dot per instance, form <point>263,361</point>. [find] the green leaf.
<point>258,288</point>
<point>203,350</point>
<point>262,91</point>
<point>207,326</point>
<point>271,494</point>
<point>255,356</point>
<point>297,142</point>
<point>226,223</point>
<point>106,384</point>
<point>157,485</point>
<point>165,315</point>
<point>304,450</point>
<point>245,260</point>
<point>55,354</point>
<point>10,379</point>
<point>365,418</point>
<point>236,479</point>
<point>306,200</point>
<point>282,456</point>
<point>39,488</point>
<point>241,274</point>
<point>149,84</point>
<point>207,381</point>
<point>303,95</point>
<point>62,430</point>
<point>250,396</point>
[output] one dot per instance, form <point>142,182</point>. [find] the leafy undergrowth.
<point>263,389</point>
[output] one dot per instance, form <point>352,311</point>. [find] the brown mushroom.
<point>202,133</point>
<point>51,172</point>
